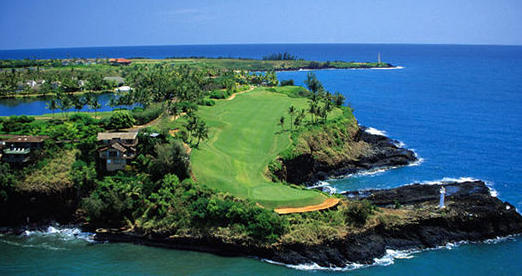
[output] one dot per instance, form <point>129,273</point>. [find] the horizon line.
<point>264,43</point>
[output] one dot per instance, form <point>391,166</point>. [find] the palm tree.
<point>78,102</point>
<point>65,103</point>
<point>312,109</point>
<point>52,105</point>
<point>201,132</point>
<point>282,123</point>
<point>291,111</point>
<point>92,102</point>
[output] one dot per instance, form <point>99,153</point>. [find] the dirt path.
<point>233,96</point>
<point>328,203</point>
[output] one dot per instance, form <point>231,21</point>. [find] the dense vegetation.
<point>280,56</point>
<point>219,189</point>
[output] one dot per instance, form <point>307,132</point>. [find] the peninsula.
<point>216,156</point>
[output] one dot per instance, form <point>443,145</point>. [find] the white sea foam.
<point>314,266</point>
<point>388,259</point>
<point>375,131</point>
<point>492,190</point>
<point>391,256</point>
<point>445,180</point>
<point>371,172</point>
<point>399,144</point>
<point>63,233</point>
<point>389,68</point>
<point>319,184</point>
<point>326,187</point>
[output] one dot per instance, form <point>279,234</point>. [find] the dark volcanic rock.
<point>417,193</point>
<point>471,214</point>
<point>384,152</point>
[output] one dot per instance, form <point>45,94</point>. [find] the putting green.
<point>244,137</point>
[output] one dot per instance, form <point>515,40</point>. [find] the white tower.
<point>442,194</point>
<point>379,57</point>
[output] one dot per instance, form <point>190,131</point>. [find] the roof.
<point>124,88</point>
<point>119,135</point>
<point>26,139</point>
<point>120,60</point>
<point>118,147</point>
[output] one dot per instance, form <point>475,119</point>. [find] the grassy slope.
<point>245,137</point>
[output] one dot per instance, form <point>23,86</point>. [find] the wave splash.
<point>390,257</point>
<point>62,233</point>
<point>375,131</point>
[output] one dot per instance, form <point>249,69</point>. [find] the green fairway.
<point>245,137</point>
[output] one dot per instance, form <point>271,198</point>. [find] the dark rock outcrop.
<point>39,208</point>
<point>384,152</point>
<point>472,214</point>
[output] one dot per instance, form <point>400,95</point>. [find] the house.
<point>31,83</point>
<point>116,148</point>
<point>124,88</point>
<point>17,149</point>
<point>120,61</point>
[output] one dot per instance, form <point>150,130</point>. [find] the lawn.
<point>244,138</point>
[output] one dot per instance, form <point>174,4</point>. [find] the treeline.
<point>320,103</point>
<point>280,56</point>
<point>15,82</point>
<point>24,63</point>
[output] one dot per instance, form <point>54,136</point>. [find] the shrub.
<point>289,82</point>
<point>143,116</point>
<point>85,119</point>
<point>219,94</point>
<point>170,158</point>
<point>120,119</point>
<point>358,212</point>
<point>16,123</point>
<point>207,102</point>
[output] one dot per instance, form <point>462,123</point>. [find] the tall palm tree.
<point>201,132</point>
<point>52,105</point>
<point>92,102</point>
<point>78,102</point>
<point>282,123</point>
<point>291,111</point>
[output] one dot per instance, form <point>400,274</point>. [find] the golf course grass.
<point>244,137</point>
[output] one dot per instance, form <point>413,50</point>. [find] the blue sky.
<point>79,23</point>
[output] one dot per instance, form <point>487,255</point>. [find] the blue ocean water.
<point>458,107</point>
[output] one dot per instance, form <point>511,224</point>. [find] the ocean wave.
<point>63,233</point>
<point>391,256</point>
<point>399,144</point>
<point>445,180</point>
<point>319,184</point>
<point>314,266</point>
<point>389,68</point>
<point>375,131</point>
<point>388,259</point>
<point>492,191</point>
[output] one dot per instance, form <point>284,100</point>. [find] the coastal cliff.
<point>361,150</point>
<point>471,214</point>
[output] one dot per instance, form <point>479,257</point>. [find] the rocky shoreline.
<point>472,214</point>
<point>384,153</point>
